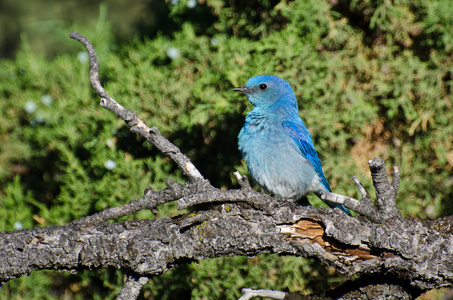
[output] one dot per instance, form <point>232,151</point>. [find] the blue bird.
<point>275,143</point>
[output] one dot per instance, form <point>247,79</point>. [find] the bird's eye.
<point>263,86</point>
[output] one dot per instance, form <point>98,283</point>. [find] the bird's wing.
<point>299,133</point>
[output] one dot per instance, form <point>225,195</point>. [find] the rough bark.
<point>397,257</point>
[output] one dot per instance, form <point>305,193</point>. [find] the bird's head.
<point>266,90</point>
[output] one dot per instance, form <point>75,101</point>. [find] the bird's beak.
<point>243,89</point>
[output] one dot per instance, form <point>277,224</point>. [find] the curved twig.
<point>248,294</point>
<point>138,126</point>
<point>132,287</point>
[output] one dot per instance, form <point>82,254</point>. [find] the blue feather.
<point>299,133</point>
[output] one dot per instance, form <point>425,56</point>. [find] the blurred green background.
<point>373,79</point>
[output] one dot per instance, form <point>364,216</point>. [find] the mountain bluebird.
<point>275,143</point>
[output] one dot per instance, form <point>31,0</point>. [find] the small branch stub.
<point>248,294</point>
<point>386,194</point>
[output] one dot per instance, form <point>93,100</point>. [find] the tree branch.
<point>137,126</point>
<point>386,195</point>
<point>404,247</point>
<point>132,287</point>
<point>248,294</point>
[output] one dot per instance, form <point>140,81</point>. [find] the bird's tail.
<point>340,206</point>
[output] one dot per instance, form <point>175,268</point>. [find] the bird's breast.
<point>274,160</point>
<point>261,137</point>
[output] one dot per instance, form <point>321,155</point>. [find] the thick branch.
<point>405,248</point>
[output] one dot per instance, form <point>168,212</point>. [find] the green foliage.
<point>220,278</point>
<point>373,78</point>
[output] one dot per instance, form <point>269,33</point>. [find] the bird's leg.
<point>302,201</point>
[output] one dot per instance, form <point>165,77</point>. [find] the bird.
<point>276,144</point>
